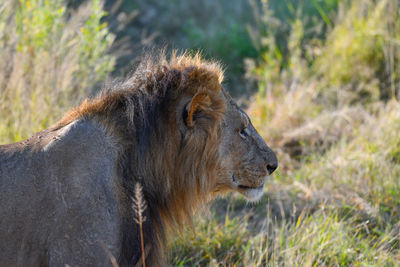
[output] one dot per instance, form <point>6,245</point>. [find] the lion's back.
<point>50,185</point>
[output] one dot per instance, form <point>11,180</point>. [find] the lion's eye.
<point>243,132</point>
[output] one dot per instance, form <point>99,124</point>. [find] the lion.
<point>66,193</point>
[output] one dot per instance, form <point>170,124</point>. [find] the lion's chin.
<point>253,194</point>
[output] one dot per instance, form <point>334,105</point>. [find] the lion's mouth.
<point>250,187</point>
<point>245,187</point>
<point>251,193</point>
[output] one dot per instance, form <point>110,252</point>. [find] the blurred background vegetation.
<point>319,78</point>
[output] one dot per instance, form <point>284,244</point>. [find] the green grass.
<point>323,238</point>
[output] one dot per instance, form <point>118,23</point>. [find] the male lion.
<point>65,193</point>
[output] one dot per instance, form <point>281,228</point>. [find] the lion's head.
<point>228,148</point>
<point>246,160</point>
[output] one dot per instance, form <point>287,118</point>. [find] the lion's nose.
<point>272,167</point>
<point>270,160</point>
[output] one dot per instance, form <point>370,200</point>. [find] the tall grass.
<point>50,58</point>
<point>363,52</point>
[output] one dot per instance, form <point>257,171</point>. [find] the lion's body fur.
<point>65,193</point>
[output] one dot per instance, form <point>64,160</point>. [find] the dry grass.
<point>139,207</point>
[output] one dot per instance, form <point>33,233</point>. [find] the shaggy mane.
<point>149,78</point>
<point>175,167</point>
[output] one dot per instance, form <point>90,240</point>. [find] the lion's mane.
<point>176,169</point>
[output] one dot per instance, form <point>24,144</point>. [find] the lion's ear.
<point>199,102</point>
